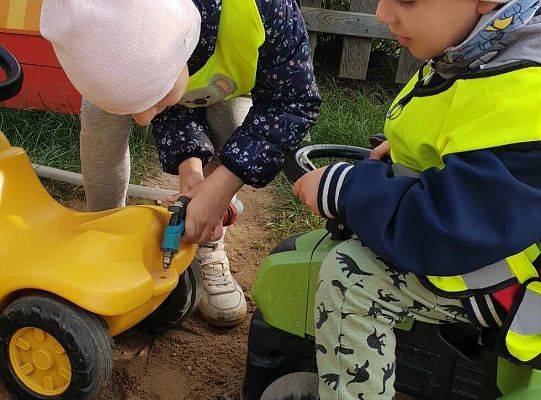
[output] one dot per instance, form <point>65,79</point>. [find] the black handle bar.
<point>11,86</point>
<point>301,162</point>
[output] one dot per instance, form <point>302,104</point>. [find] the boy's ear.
<point>484,7</point>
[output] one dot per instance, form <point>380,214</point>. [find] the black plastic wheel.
<point>275,356</point>
<point>429,364</point>
<point>293,386</point>
<point>83,336</point>
<point>180,304</point>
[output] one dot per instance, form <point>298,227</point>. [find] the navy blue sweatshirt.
<point>482,207</point>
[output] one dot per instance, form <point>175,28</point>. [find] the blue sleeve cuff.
<point>329,188</point>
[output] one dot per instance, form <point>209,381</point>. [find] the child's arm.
<point>190,174</point>
<point>286,99</point>
<point>181,133</point>
<point>482,207</point>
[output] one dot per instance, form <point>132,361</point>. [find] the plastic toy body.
<point>70,280</point>
<point>108,263</point>
<point>46,86</point>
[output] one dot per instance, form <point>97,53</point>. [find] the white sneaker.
<point>222,302</point>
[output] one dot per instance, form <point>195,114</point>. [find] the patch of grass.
<point>348,116</point>
<point>53,139</point>
<point>290,216</point>
<point>48,138</point>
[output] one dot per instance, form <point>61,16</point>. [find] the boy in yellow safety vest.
<point>449,230</point>
<point>183,66</point>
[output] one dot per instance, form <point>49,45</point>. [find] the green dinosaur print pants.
<point>359,300</point>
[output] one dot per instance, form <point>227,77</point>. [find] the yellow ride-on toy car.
<point>71,280</point>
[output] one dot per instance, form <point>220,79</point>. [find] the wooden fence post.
<point>359,26</point>
<point>407,66</point>
<point>356,51</point>
<point>312,35</point>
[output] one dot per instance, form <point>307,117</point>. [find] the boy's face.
<point>429,27</point>
<point>144,118</point>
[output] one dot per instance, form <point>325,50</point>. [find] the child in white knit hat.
<point>184,65</point>
<point>127,57</point>
<point>447,228</point>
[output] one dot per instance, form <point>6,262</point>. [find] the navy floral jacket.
<point>285,96</point>
<point>285,100</point>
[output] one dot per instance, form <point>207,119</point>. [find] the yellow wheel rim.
<point>40,362</point>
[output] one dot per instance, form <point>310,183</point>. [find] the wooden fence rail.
<point>359,26</point>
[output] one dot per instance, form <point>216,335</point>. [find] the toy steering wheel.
<point>301,163</point>
<point>14,75</point>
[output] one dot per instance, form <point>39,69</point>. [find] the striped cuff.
<point>483,311</point>
<point>329,188</point>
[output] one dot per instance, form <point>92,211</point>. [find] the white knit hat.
<point>124,56</point>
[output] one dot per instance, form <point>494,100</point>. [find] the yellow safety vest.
<point>475,111</point>
<point>231,70</point>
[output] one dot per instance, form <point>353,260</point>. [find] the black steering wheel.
<point>11,86</point>
<point>300,163</point>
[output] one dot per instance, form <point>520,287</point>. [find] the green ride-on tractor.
<point>435,362</point>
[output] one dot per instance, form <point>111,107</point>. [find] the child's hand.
<point>306,188</point>
<point>381,151</point>
<point>209,201</point>
<point>190,173</point>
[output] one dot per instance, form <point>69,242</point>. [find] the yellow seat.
<point>108,263</point>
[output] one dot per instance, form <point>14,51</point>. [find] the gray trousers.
<point>359,301</point>
<point>105,154</point>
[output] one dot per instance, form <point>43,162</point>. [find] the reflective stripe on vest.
<point>523,340</point>
<point>402,170</point>
<point>521,333</point>
<point>231,70</point>
<point>487,277</point>
<point>517,268</point>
